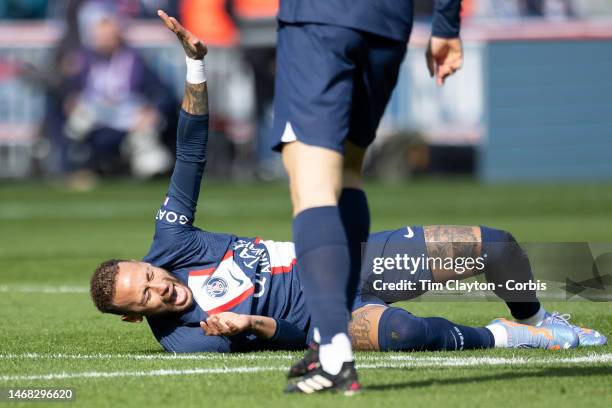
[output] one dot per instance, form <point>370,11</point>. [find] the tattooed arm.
<point>277,333</point>
<point>179,207</point>
<point>195,100</point>
<point>230,324</point>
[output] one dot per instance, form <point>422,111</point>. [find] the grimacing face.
<point>146,290</point>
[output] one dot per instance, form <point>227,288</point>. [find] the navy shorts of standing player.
<point>337,65</point>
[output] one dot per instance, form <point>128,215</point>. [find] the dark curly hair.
<point>102,286</point>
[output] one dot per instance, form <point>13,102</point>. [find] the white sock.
<point>500,335</point>
<point>196,71</point>
<point>316,336</point>
<point>535,319</point>
<point>334,354</point>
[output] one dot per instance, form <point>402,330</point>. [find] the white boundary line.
<point>160,356</point>
<point>152,373</point>
<point>590,357</point>
<point>406,362</point>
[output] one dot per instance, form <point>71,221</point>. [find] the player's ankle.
<point>332,355</point>
<point>500,335</point>
<point>535,319</point>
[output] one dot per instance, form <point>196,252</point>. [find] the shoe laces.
<point>557,317</point>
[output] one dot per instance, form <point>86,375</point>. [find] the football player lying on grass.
<point>204,291</point>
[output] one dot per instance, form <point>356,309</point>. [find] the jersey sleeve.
<point>188,339</point>
<point>174,220</point>
<point>287,336</point>
<point>179,207</point>
<point>176,241</point>
<point>447,19</point>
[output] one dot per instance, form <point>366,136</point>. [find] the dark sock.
<point>505,260</point>
<point>399,330</point>
<point>355,215</point>
<point>323,266</point>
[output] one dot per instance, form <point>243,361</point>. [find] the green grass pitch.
<point>51,335</point>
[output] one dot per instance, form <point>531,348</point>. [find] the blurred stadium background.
<point>533,102</point>
<point>520,139</point>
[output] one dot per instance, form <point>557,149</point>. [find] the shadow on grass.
<point>556,372</point>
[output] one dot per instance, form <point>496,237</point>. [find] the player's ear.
<point>132,318</point>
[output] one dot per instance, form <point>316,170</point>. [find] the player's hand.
<point>444,57</point>
<point>194,48</point>
<point>226,324</point>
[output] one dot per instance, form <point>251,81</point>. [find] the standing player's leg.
<point>355,216</point>
<point>321,245</point>
<point>323,255</point>
<point>354,212</point>
<point>375,78</point>
<point>312,109</point>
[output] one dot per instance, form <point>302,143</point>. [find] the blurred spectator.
<point>112,103</point>
<point>256,20</point>
<point>40,9</point>
<point>146,8</point>
<point>513,9</point>
<point>546,8</point>
<point>229,86</point>
<point>55,81</point>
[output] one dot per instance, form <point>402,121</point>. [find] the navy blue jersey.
<point>224,272</point>
<point>387,18</point>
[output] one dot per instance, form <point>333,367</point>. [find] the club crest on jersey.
<point>215,286</point>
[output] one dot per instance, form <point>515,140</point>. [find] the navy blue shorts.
<point>409,241</point>
<point>332,84</point>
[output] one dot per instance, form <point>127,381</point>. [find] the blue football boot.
<point>545,336</point>
<point>586,337</point>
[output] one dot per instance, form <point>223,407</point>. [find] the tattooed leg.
<point>505,260</point>
<point>452,241</point>
<point>382,328</point>
<point>400,330</point>
<point>363,328</point>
